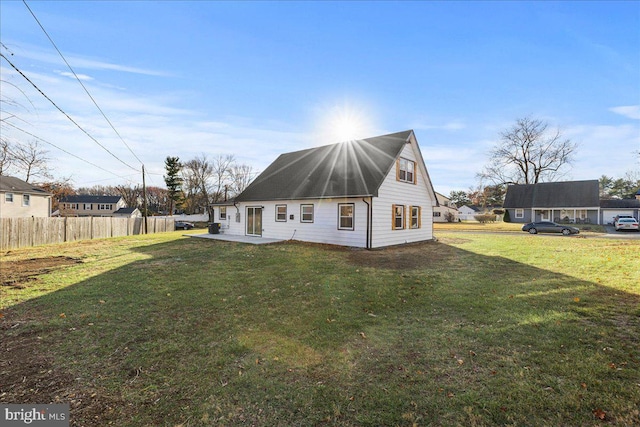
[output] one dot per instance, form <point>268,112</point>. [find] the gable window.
<point>519,213</point>
<point>406,170</point>
<point>345,216</point>
<point>398,217</point>
<point>8,197</point>
<point>223,212</point>
<point>306,213</point>
<point>281,213</point>
<point>416,221</point>
<point>26,200</point>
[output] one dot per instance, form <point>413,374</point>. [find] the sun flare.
<point>344,123</point>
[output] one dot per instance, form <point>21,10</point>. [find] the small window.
<point>26,200</point>
<point>88,206</point>
<point>519,213</point>
<point>406,170</point>
<point>416,221</point>
<point>398,217</point>
<point>8,197</point>
<point>437,214</point>
<point>281,213</point>
<point>223,212</point>
<point>306,213</point>
<point>345,216</point>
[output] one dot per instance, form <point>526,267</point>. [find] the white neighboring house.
<point>467,213</point>
<point>367,193</point>
<point>19,199</point>
<point>445,206</point>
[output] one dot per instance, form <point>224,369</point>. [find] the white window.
<point>398,217</point>
<point>8,197</point>
<point>306,213</point>
<point>345,216</point>
<point>223,212</point>
<point>416,220</point>
<point>88,206</point>
<point>519,213</point>
<point>26,200</point>
<point>406,170</point>
<point>281,213</point>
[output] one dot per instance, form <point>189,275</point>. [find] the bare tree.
<point>528,153</point>
<point>241,177</point>
<point>222,166</point>
<point>197,175</point>
<point>131,195</point>
<point>6,159</point>
<point>31,160</point>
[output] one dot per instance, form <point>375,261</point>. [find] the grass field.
<point>472,330</point>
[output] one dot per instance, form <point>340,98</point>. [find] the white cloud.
<point>71,75</point>
<point>630,111</point>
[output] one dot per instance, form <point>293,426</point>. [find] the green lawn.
<point>472,330</point>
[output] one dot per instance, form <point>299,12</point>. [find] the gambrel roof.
<point>348,169</point>
<point>565,194</point>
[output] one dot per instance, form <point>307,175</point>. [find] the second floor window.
<point>8,197</point>
<point>406,170</point>
<point>26,200</point>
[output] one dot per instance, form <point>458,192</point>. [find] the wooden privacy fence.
<point>24,232</point>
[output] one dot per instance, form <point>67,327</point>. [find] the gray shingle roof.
<point>565,194</point>
<point>347,169</point>
<point>9,184</point>
<point>620,203</point>
<point>83,198</point>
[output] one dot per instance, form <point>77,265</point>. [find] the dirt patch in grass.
<point>19,273</point>
<point>405,257</point>
<point>29,376</point>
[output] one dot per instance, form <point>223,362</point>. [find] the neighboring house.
<point>567,201</point>
<point>468,213</point>
<point>127,213</point>
<point>445,206</point>
<point>610,208</point>
<point>366,193</point>
<point>85,205</point>
<point>19,199</point>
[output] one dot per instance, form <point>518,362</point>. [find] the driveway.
<point>612,233</point>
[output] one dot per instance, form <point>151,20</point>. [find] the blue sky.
<point>255,79</point>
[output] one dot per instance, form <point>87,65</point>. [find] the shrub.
<point>507,217</point>
<point>484,218</point>
<point>449,217</point>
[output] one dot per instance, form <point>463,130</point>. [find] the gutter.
<point>369,221</point>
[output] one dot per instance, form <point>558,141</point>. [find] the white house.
<point>446,211</point>
<point>366,193</point>
<point>467,213</point>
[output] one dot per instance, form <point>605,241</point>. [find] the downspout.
<point>369,225</point>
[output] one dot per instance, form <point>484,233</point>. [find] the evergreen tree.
<point>173,181</point>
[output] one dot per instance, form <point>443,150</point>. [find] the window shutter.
<point>419,217</point>
<point>393,217</point>
<point>415,173</point>
<point>397,171</point>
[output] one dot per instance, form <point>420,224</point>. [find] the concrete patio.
<point>253,240</point>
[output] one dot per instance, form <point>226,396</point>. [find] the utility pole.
<point>144,201</point>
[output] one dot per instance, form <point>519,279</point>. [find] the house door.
<point>254,221</point>
<point>545,215</point>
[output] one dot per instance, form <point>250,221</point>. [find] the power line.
<point>61,149</point>
<point>80,81</point>
<point>65,114</point>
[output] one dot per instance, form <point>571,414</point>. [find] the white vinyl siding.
<point>323,229</point>
<point>394,192</point>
